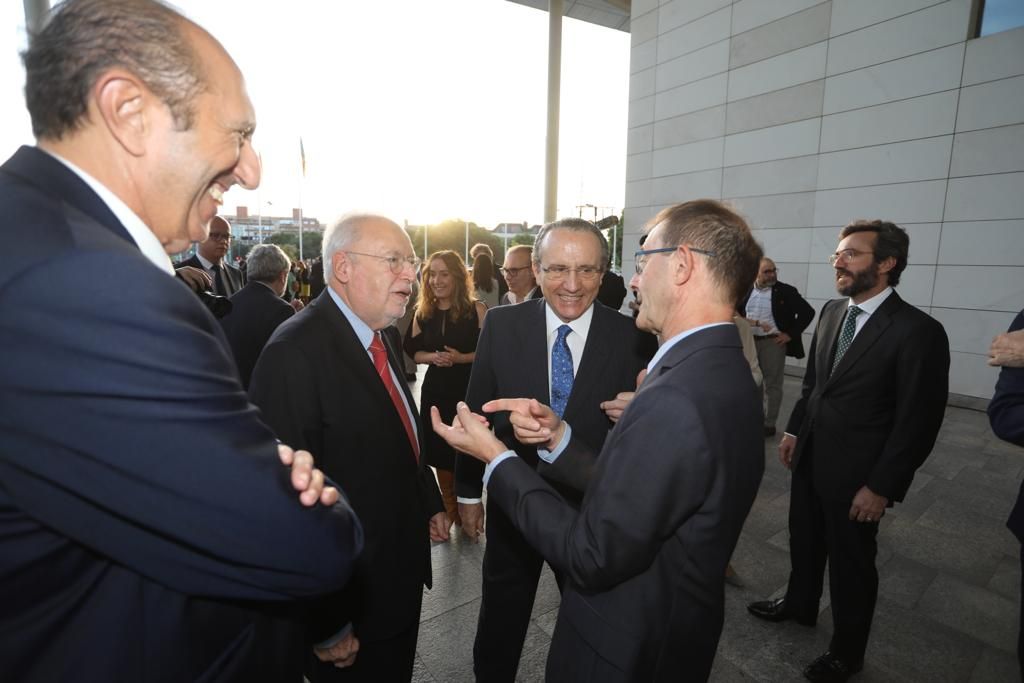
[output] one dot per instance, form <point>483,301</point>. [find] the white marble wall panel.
<point>998,103</point>
<point>982,243</point>
<point>924,241</point>
<point>676,13</point>
<point>778,142</point>
<point>695,156</point>
<point>641,84</point>
<point>971,375</point>
<point>920,117</point>
<point>927,29</point>
<point>994,150</point>
<point>695,35</point>
<point>788,245</point>
<point>971,331</point>
<point>707,61</point>
<point>643,28</point>
<point>687,186</point>
<point>921,74</point>
<point>771,177</point>
<point>690,97</point>
<point>904,203</point>
<point>898,162</point>
<point>638,166</point>
<point>992,288</point>
<point>795,31</point>
<point>792,273</point>
<point>999,55</point>
<point>643,56</point>
<point>991,197</point>
<point>777,211</point>
<point>639,139</point>
<point>639,8</point>
<point>850,15</point>
<point>641,112</point>
<point>698,125</point>
<point>792,68</point>
<point>748,14</point>
<point>777,107</point>
<point>821,284</point>
<point>916,284</point>
<point>638,192</point>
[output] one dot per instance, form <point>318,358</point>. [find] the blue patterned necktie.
<point>561,371</point>
<point>846,336</point>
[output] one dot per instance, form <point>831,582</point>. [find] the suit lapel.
<point>534,343</point>
<point>865,339</point>
<point>828,333</point>
<point>595,357</point>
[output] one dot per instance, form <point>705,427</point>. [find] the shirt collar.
<point>580,325</point>
<point>143,237</point>
<point>361,329</point>
<point>871,305</point>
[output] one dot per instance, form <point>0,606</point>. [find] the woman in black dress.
<point>443,335</point>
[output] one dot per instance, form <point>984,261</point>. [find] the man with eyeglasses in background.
<point>209,257</point>
<point>567,351</point>
<point>873,400</point>
<point>522,284</point>
<point>329,380</point>
<point>778,315</point>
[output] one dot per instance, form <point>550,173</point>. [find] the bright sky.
<point>419,109</point>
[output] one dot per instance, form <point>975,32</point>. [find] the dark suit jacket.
<point>233,279</point>
<point>613,290</point>
<point>1006,414</point>
<point>318,390</point>
<point>875,420</point>
<point>256,311</point>
<point>645,556</point>
<point>792,315</point>
<point>140,495</point>
<point>512,362</point>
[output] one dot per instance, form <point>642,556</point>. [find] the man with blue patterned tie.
<point>565,350</point>
<point>872,403</point>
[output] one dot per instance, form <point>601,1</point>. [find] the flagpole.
<point>302,154</point>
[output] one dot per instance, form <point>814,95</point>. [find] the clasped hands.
<point>533,423</point>
<point>446,358</point>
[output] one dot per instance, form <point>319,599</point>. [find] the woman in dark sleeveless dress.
<point>443,335</point>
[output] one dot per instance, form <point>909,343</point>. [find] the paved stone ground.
<point>950,580</point>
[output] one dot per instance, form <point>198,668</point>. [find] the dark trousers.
<point>510,574</point>
<point>1020,629</point>
<point>820,529</point>
<point>389,660</point>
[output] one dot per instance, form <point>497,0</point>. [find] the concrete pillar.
<point>555,9</point>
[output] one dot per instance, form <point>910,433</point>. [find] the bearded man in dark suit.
<point>873,399</point>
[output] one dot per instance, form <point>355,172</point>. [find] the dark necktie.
<point>218,280</point>
<point>561,371</point>
<point>846,336</point>
<point>380,362</point>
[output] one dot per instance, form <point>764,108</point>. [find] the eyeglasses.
<point>396,263</point>
<point>220,236</point>
<point>512,272</point>
<point>585,273</point>
<point>846,255</point>
<point>641,262</point>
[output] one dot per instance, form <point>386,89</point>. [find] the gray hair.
<point>346,232</point>
<point>266,262</point>
<point>84,38</point>
<point>575,225</point>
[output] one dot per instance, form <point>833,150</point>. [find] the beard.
<point>860,281</point>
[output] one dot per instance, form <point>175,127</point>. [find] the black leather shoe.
<point>829,668</point>
<point>775,610</point>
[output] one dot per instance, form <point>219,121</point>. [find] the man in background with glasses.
<point>645,556</point>
<point>873,399</point>
<point>518,274</point>
<point>329,380</point>
<point>564,350</point>
<point>778,315</point>
<point>210,255</point>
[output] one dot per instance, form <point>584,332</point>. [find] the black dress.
<point>443,387</point>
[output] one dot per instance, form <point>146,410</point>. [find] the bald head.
<point>216,246</point>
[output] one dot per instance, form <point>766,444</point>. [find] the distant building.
<point>246,228</point>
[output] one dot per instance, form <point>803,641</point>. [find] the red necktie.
<point>380,361</point>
